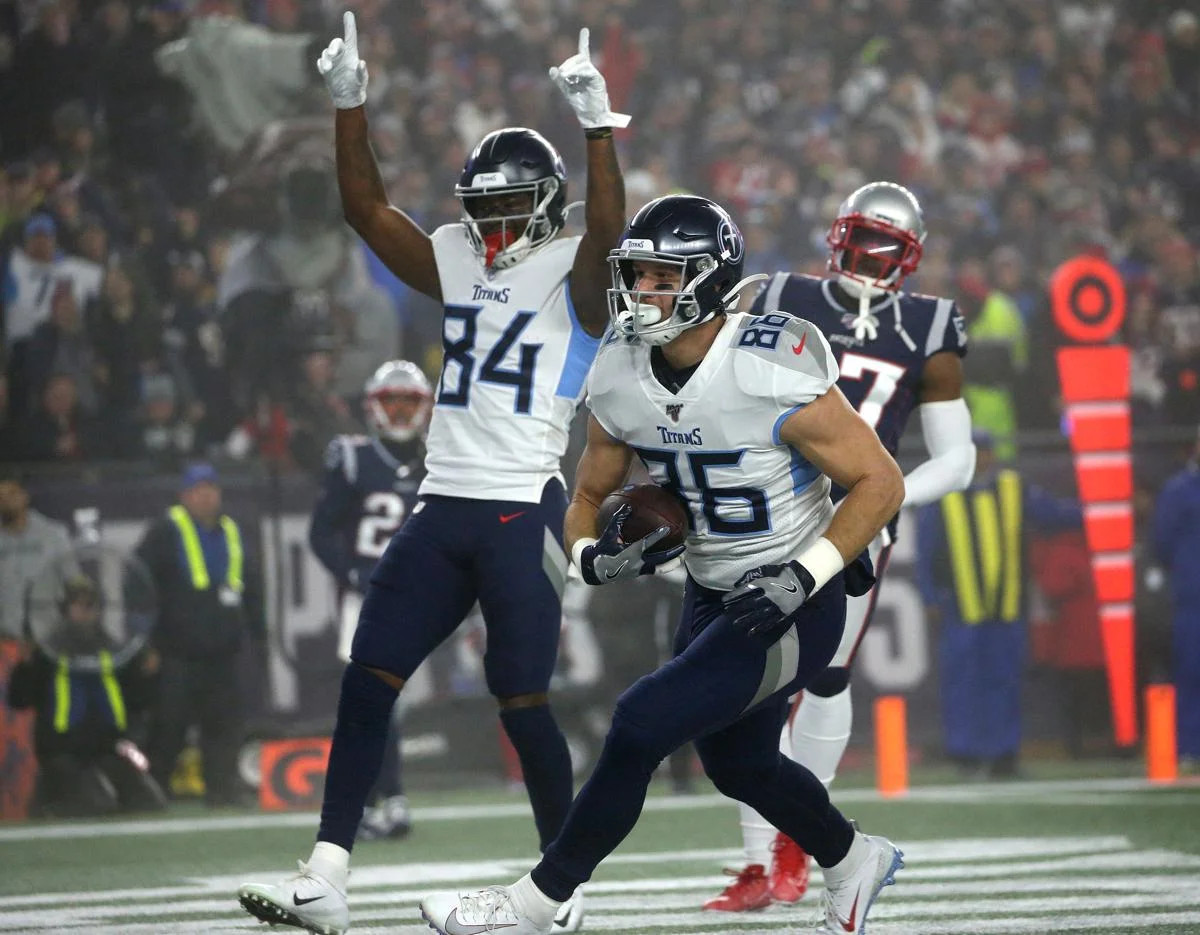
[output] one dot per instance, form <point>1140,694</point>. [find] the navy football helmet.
<point>511,162</point>
<point>699,238</point>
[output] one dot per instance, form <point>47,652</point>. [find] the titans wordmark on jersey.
<point>515,362</point>
<point>366,495</point>
<point>882,377</point>
<point>752,499</point>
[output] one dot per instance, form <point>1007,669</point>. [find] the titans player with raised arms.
<point>369,489</point>
<point>523,313</point>
<point>741,416</point>
<point>896,351</point>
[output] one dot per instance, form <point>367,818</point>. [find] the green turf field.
<point>1106,854</point>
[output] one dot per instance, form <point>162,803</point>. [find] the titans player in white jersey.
<point>896,352</point>
<point>741,417</point>
<point>524,311</point>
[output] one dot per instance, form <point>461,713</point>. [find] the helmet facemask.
<point>502,240</point>
<point>697,300</point>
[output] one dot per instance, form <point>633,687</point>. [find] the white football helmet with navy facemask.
<point>698,237</point>
<point>875,243</point>
<point>398,379</point>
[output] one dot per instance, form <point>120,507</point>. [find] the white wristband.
<point>823,561</point>
<point>577,550</point>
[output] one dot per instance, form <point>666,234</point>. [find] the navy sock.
<point>364,711</point>
<point>545,763</point>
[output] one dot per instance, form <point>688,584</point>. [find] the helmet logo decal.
<point>730,239</point>
<point>487,179</point>
<point>635,244</point>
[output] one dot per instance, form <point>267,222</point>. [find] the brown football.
<point>653,506</point>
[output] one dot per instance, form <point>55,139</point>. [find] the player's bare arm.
<point>836,440</point>
<point>942,378</point>
<point>585,90</point>
<point>602,469</point>
<point>403,247</point>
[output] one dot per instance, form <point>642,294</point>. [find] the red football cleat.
<point>747,892</point>
<point>789,870</point>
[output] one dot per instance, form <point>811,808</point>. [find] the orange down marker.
<point>891,745</point>
<point>1162,765</point>
<point>1088,301</point>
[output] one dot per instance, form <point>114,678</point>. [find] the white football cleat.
<point>306,901</point>
<point>570,913</point>
<point>487,910</point>
<point>846,903</point>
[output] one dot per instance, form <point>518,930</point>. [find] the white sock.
<point>532,903</point>
<point>820,731</point>
<point>332,862</point>
<point>757,836</point>
<point>860,850</point>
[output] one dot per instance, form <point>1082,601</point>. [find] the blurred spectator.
<point>971,572</point>
<point>1177,541</point>
<point>84,702</point>
<point>33,272</point>
<point>162,435</point>
<point>1179,323</point>
<point>126,333</point>
<point>59,429</point>
<point>27,541</point>
<point>317,413</point>
<point>1069,641</point>
<point>210,601</point>
<point>59,345</point>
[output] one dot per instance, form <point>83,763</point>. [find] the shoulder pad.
<point>788,342</point>
<point>613,364</point>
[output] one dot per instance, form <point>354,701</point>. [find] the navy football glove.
<point>611,558</point>
<point>765,601</point>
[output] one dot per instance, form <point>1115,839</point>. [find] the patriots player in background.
<point>741,417</point>
<point>369,489</point>
<point>896,351</point>
<point>523,313</point>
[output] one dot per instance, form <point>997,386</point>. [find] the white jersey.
<point>753,499</point>
<point>516,359</point>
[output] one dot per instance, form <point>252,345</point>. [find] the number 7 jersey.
<point>515,361</point>
<point>752,499</point>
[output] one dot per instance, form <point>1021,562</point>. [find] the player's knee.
<point>738,779</point>
<point>633,735</point>
<point>366,695</point>
<point>531,700</point>
<point>830,682</point>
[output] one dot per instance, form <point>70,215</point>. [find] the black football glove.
<point>611,558</point>
<point>765,601</point>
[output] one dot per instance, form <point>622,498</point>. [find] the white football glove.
<point>583,85</point>
<point>344,72</point>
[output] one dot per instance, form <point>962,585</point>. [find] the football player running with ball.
<point>896,351</point>
<point>523,312</point>
<point>758,430</point>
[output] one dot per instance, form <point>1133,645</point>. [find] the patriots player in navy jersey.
<point>759,431</point>
<point>369,489</point>
<point>523,312</point>
<point>896,352</point>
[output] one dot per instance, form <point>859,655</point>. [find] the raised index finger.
<point>584,33</point>
<point>350,29</point>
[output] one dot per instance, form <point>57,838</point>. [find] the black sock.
<point>545,763</point>
<point>364,710</point>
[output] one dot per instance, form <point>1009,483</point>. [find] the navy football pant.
<point>727,692</point>
<point>449,553</point>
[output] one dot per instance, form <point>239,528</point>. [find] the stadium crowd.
<point>1030,131</point>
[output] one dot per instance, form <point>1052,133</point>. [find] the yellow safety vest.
<point>195,554</point>
<point>62,693</point>
<point>985,554</point>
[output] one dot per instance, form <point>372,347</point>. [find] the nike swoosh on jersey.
<point>509,517</point>
<point>464,929</point>
<point>799,348</point>
<point>304,902</point>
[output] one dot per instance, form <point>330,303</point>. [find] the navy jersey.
<point>365,496</point>
<point>881,377</point>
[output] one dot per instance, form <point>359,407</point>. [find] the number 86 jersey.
<point>751,498</point>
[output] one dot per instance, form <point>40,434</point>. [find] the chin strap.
<point>866,325</point>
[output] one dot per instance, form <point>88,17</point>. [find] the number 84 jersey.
<point>752,499</point>
<point>515,358</point>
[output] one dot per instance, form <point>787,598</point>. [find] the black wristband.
<point>598,133</point>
